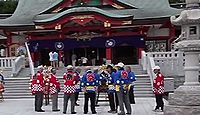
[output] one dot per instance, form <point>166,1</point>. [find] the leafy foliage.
<point>176,1</point>
<point>8,7</point>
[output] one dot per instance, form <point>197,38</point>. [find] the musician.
<point>113,101</point>
<point>158,88</point>
<point>131,91</point>
<point>122,82</point>
<point>69,89</point>
<point>78,87</point>
<point>38,89</point>
<point>1,86</point>
<point>90,82</point>
<point>54,89</point>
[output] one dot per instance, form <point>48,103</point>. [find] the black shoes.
<point>40,110</point>
<point>64,112</point>
<point>94,112</point>
<point>110,111</point>
<point>73,112</point>
<point>56,110</point>
<point>76,104</point>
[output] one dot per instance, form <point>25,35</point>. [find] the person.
<point>2,89</point>
<point>78,87</point>
<point>122,82</point>
<point>55,60</point>
<point>51,58</point>
<point>38,89</point>
<point>113,100</point>
<point>93,57</point>
<point>54,89</point>
<point>84,61</point>
<point>69,89</point>
<point>74,57</point>
<point>158,88</point>
<point>89,83</point>
<point>131,91</point>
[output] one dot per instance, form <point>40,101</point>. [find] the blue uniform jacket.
<point>123,78</point>
<point>90,81</point>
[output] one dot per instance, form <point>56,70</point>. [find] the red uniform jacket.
<point>54,84</point>
<point>37,83</point>
<point>158,84</point>
<point>70,79</point>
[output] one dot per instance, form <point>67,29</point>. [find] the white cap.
<point>69,67</point>
<point>40,67</point>
<point>156,67</point>
<point>120,64</point>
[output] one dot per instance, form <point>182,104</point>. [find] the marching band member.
<point>90,83</point>
<point>38,89</point>
<point>131,91</point>
<point>2,89</point>
<point>158,88</point>
<point>78,87</point>
<point>69,89</point>
<point>54,89</point>
<point>113,101</point>
<point>122,82</point>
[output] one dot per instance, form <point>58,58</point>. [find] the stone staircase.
<point>18,87</point>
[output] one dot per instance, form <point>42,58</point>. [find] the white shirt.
<point>84,60</point>
<point>50,56</point>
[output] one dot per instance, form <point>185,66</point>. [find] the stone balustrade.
<point>171,63</point>
<point>12,64</point>
<point>7,62</point>
<point>19,63</point>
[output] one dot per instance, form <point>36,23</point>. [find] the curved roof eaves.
<point>81,10</point>
<point>26,11</point>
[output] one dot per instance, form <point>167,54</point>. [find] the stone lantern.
<point>186,99</point>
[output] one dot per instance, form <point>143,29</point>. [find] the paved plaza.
<point>143,106</point>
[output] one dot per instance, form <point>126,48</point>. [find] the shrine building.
<point>116,30</point>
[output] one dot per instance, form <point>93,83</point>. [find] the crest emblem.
<point>90,77</point>
<point>124,75</point>
<point>59,45</point>
<point>110,43</point>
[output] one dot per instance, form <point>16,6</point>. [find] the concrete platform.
<point>143,106</point>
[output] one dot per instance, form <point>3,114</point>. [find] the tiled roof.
<point>30,10</point>
<point>84,10</point>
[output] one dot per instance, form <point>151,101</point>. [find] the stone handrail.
<point>30,60</point>
<point>171,64</point>
<point>19,63</point>
<point>150,65</point>
<point>7,62</point>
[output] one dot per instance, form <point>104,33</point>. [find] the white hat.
<point>69,67</point>
<point>156,67</point>
<point>120,64</point>
<point>40,67</point>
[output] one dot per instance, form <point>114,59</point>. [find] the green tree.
<point>7,7</point>
<point>176,1</point>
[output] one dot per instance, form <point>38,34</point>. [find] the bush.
<point>7,7</point>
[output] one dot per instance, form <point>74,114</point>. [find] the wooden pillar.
<point>140,54</point>
<point>108,49</point>
<point>108,55</point>
<point>172,35</point>
<point>9,42</point>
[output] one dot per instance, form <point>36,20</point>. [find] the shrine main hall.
<point>116,30</point>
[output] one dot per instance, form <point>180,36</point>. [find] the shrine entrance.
<point>125,54</point>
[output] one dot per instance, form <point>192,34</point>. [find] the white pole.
<point>30,60</point>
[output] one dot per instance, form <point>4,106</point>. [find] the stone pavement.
<point>143,106</point>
